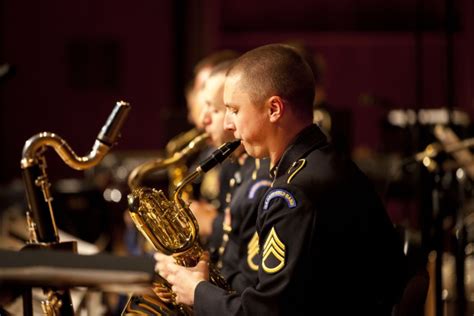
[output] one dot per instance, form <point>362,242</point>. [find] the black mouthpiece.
<point>111,130</point>
<point>219,155</point>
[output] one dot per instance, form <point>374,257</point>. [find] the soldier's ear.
<point>276,107</point>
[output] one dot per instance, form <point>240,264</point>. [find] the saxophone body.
<point>170,226</point>
<point>42,229</point>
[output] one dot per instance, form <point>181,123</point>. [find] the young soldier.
<point>326,242</point>
<point>237,248</point>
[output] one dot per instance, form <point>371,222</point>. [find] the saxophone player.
<point>233,245</point>
<point>201,72</point>
<point>322,230</point>
<point>208,197</point>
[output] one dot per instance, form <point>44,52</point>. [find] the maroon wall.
<point>75,59</point>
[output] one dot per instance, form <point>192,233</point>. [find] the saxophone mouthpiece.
<point>219,155</point>
<point>111,130</point>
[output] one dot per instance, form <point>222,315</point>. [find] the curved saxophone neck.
<point>182,185</point>
<point>105,140</point>
<point>137,175</point>
<point>181,140</point>
<point>35,145</point>
<point>35,178</point>
<point>218,156</point>
<point>141,171</point>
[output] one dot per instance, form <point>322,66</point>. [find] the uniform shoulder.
<point>319,165</point>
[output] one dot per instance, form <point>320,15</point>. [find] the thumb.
<point>205,257</point>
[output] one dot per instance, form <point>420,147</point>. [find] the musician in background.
<point>326,242</point>
<point>209,192</point>
<point>206,195</point>
<point>208,201</point>
<point>233,244</point>
<point>194,87</point>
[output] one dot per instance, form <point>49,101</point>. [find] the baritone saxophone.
<point>170,226</point>
<point>43,232</point>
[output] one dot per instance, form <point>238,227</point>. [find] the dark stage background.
<point>64,64</point>
<point>73,60</point>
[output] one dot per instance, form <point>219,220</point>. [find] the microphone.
<point>111,130</point>
<point>219,155</point>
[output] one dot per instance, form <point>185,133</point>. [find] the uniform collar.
<point>307,140</point>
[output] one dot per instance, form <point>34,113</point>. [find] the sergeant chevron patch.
<point>273,253</point>
<point>252,252</point>
<point>279,193</point>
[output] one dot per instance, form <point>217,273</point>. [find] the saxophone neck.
<point>141,171</point>
<point>33,165</point>
<point>105,140</point>
<point>218,156</point>
<point>181,140</point>
<point>182,185</point>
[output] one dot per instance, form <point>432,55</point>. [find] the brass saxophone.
<point>178,170</point>
<point>181,140</point>
<point>170,226</point>
<point>175,160</point>
<point>42,229</point>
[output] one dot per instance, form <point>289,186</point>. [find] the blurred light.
<point>112,195</point>
<point>402,118</point>
<point>426,162</point>
<point>444,294</point>
<point>433,116</point>
<point>460,174</point>
<point>116,195</point>
<point>122,172</point>
<point>106,194</point>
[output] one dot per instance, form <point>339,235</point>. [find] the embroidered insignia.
<point>252,252</point>
<point>257,185</point>
<point>273,253</point>
<point>296,166</point>
<point>279,193</point>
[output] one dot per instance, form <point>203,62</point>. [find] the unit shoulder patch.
<point>279,193</point>
<point>257,185</point>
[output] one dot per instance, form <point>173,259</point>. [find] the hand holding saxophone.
<point>184,280</point>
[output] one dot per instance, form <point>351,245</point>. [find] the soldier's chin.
<point>252,151</point>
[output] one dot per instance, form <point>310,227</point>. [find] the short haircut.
<point>209,61</point>
<point>214,59</point>
<point>222,67</point>
<point>277,69</point>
